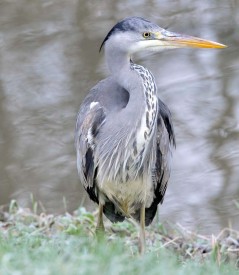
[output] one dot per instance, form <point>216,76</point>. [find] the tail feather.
<point>111,212</point>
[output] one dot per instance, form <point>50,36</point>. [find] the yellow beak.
<point>171,39</point>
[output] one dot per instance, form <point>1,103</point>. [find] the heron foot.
<point>142,231</point>
<point>100,229</point>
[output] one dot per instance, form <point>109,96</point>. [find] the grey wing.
<point>89,121</point>
<point>164,143</point>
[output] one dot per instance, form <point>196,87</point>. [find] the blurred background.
<point>49,59</point>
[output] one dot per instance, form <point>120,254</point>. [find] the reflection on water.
<point>49,59</point>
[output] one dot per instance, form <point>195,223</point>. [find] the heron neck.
<point>120,68</point>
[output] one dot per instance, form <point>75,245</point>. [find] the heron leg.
<point>100,224</point>
<point>142,230</point>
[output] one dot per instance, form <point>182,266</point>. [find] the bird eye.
<point>146,34</point>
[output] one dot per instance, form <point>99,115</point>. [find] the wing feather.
<point>89,121</point>
<point>164,143</point>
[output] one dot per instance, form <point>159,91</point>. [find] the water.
<point>49,59</point>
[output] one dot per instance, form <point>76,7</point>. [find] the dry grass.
<point>187,246</point>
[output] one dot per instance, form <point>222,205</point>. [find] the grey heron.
<point>124,132</point>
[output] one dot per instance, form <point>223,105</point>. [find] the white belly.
<point>128,197</point>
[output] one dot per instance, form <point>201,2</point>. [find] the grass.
<point>66,244</point>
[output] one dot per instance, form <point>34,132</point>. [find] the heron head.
<point>135,34</point>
